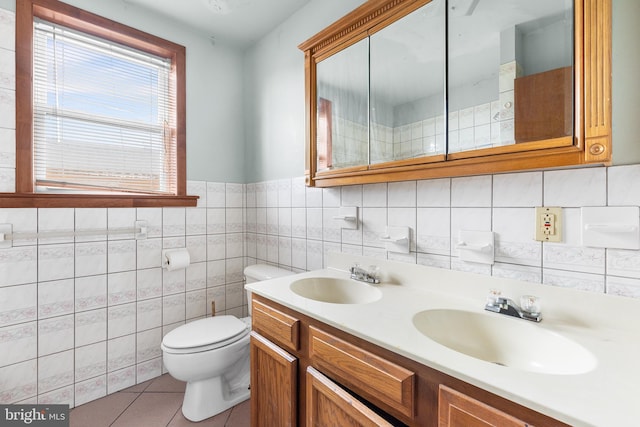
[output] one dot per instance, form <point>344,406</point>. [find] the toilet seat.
<point>205,334</point>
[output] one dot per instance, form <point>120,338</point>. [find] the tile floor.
<point>154,403</point>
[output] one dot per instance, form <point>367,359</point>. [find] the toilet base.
<point>206,398</point>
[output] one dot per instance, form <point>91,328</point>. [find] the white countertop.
<point>607,326</point>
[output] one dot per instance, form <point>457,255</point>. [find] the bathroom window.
<point>102,115</point>
<point>103,122</point>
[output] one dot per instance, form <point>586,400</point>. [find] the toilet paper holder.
<point>179,255</point>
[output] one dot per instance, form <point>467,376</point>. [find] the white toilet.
<point>212,356</point>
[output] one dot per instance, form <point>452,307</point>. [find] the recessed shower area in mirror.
<point>509,73</point>
<point>401,90</point>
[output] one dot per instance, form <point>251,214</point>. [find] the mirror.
<point>415,89</point>
<point>343,101</point>
<point>510,72</point>
<point>408,87</point>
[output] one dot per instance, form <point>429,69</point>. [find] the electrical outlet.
<point>548,224</point>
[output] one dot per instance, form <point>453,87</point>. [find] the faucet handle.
<point>359,273</point>
<point>493,297</point>
<point>374,272</point>
<point>530,304</point>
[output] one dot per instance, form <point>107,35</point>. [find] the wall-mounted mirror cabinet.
<point>413,89</point>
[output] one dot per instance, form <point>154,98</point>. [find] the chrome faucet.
<point>359,273</point>
<point>530,309</point>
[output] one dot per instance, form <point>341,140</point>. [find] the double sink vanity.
<point>420,349</point>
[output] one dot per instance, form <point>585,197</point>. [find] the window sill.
<point>30,200</point>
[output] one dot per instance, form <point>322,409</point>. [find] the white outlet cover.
<point>557,212</point>
<point>616,227</point>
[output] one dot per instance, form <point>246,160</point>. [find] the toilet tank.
<point>260,272</point>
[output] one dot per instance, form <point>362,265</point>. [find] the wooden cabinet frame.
<point>591,141</point>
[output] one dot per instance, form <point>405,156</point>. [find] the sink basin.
<point>336,291</point>
<point>505,341</point>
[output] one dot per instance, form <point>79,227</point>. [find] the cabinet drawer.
<point>281,328</point>
<point>459,410</point>
<point>370,376</point>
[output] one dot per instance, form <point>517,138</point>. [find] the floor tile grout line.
<point>174,415</point>
<point>146,390</point>
<point>235,415</point>
<point>127,407</point>
<point>228,418</point>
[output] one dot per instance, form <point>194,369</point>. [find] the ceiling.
<point>240,22</point>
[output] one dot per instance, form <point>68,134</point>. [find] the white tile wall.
<point>84,316</point>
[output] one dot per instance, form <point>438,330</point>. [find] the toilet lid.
<point>205,332</point>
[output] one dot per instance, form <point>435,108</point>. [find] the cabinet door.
<point>459,410</point>
<point>328,405</point>
<point>273,384</point>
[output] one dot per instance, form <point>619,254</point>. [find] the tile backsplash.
<point>290,225</point>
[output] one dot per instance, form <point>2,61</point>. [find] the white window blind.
<point>103,115</point>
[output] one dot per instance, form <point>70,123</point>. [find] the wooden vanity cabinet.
<point>305,372</point>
